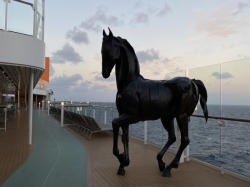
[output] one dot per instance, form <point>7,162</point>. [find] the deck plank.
<point>143,168</point>
<point>14,145</point>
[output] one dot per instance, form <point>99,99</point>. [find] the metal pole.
<point>62,113</point>
<point>85,111</point>
<point>39,105</point>
<point>18,95</point>
<point>5,120</point>
<point>25,93</point>
<point>42,104</point>
<point>35,19</point>
<point>6,15</point>
<point>36,100</point>
<point>30,106</point>
<point>186,151</point>
<point>145,132</point>
<point>222,172</point>
<point>178,143</point>
<point>93,112</point>
<point>105,116</point>
<point>48,107</point>
<point>43,16</point>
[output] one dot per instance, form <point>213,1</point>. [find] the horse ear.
<point>110,33</point>
<point>104,33</point>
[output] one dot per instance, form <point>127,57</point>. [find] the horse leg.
<point>183,126</point>
<point>168,124</point>
<point>125,141</point>
<point>122,121</point>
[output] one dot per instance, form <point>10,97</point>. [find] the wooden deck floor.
<point>143,168</point>
<point>14,147</point>
<point>102,165</point>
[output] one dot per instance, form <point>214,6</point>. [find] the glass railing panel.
<point>236,88</point>
<point>137,130</point>
<point>236,147</point>
<point>156,132</point>
<point>205,139</point>
<point>20,18</point>
<point>2,15</point>
<point>180,73</point>
<point>102,115</point>
<point>236,104</point>
<point>110,118</point>
<point>39,20</point>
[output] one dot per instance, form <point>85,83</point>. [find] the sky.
<point>167,36</point>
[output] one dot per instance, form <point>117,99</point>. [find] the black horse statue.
<point>140,99</point>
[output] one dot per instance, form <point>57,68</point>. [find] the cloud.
<point>111,78</point>
<point>75,88</point>
<point>138,4</point>
<point>167,77</point>
<point>224,75</point>
<point>94,72</point>
<point>240,7</point>
<point>51,70</point>
<point>164,10</point>
<point>140,17</point>
<point>242,56</point>
<point>97,57</point>
<point>65,80</point>
<point>223,21</point>
<point>148,55</point>
<point>156,73</point>
<point>89,86</point>
<point>66,54</point>
<point>77,36</point>
<point>93,23</point>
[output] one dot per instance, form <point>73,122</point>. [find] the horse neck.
<point>127,68</point>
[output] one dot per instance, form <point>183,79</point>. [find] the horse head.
<point>110,52</point>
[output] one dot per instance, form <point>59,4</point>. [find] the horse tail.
<point>203,96</point>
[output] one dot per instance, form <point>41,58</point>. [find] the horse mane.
<point>126,45</point>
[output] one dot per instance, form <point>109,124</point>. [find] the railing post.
<point>62,113</point>
<point>5,118</point>
<point>85,111</point>
<point>43,15</point>
<point>35,19</point>
<point>48,107</point>
<point>186,151</point>
<point>105,116</point>
<point>94,112</point>
<point>145,132</point>
<point>6,15</point>
<point>42,104</point>
<point>178,142</point>
<point>39,105</point>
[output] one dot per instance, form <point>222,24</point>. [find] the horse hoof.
<point>127,162</point>
<point>161,166</point>
<point>121,171</point>
<point>166,173</point>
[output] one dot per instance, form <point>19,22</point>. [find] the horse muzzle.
<point>105,74</point>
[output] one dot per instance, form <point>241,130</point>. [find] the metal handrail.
<point>223,118</point>
<point>193,115</point>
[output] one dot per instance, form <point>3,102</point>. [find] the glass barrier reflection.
<point>20,18</point>
<point>2,15</point>
<point>205,138</point>
<point>235,104</point>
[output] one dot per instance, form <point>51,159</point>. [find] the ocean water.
<point>227,147</point>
